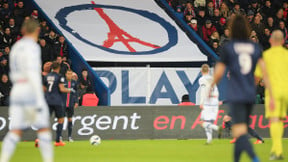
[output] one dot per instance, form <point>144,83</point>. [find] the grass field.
<point>143,151</point>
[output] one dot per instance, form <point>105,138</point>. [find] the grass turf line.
<point>144,151</point>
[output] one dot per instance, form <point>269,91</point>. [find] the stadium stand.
<point>264,16</point>
<point>194,16</point>
<point>53,45</point>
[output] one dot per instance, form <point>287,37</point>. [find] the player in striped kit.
<point>71,101</point>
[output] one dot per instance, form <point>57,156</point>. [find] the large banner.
<point>121,31</point>
<point>150,86</point>
<point>141,123</point>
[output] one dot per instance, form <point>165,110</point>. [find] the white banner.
<point>121,31</point>
<point>150,86</point>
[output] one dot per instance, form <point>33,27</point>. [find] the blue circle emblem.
<point>62,14</point>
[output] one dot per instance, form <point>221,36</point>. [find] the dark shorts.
<point>240,112</point>
<point>59,111</point>
<point>69,112</point>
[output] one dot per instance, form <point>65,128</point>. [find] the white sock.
<point>208,134</point>
<point>8,146</point>
<point>214,127</point>
<point>210,125</point>
<point>45,145</point>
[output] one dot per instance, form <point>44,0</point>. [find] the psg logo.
<point>116,35</point>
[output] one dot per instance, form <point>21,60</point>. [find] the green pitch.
<point>143,151</point>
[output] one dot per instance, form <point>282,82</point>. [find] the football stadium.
<point>143,81</point>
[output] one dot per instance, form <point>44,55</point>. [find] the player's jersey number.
<point>245,52</point>
<point>245,62</point>
<point>50,85</point>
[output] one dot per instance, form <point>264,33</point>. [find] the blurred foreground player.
<point>240,56</point>
<point>276,60</point>
<point>54,85</point>
<point>209,105</point>
<point>27,103</point>
<point>71,101</point>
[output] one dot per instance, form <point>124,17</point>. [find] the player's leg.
<point>60,114</point>
<point>209,134</point>
<point>276,128</point>
<point>228,127</point>
<point>240,116</point>
<point>276,132</point>
<point>253,133</point>
<point>14,135</point>
<point>208,131</point>
<point>209,116</point>
<point>206,125</point>
<point>45,139</point>
<point>44,134</point>
<point>70,113</point>
<point>9,144</point>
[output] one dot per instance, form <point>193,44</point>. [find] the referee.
<point>276,60</point>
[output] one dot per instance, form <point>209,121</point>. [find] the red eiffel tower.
<point>117,34</point>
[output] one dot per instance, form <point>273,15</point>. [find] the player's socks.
<point>8,146</point>
<point>70,126</point>
<point>45,146</point>
<point>253,133</point>
<point>210,125</point>
<point>59,132</point>
<point>243,144</point>
<point>208,132</point>
<point>276,131</point>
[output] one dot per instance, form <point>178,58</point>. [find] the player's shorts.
<point>240,112</point>
<point>281,107</point>
<point>209,113</point>
<point>23,110</point>
<point>58,109</point>
<point>22,117</point>
<point>69,112</point>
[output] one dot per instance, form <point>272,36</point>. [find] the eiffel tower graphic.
<point>116,34</point>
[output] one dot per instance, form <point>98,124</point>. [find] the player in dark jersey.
<point>70,101</point>
<point>228,125</point>
<point>240,57</point>
<point>54,87</point>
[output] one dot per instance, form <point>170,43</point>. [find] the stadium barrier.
<point>172,122</point>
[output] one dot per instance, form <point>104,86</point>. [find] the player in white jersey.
<point>209,105</point>
<point>27,103</point>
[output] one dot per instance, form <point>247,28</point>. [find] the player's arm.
<point>33,71</point>
<point>44,88</point>
<point>62,87</point>
<point>218,73</point>
<point>202,95</point>
<point>220,67</point>
<point>65,90</point>
<point>262,67</point>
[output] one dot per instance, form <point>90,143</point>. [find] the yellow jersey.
<point>276,61</point>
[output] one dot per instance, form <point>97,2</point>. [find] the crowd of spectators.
<point>53,46</point>
<point>209,18</point>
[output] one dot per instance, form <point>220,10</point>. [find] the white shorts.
<point>24,113</point>
<point>209,113</point>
